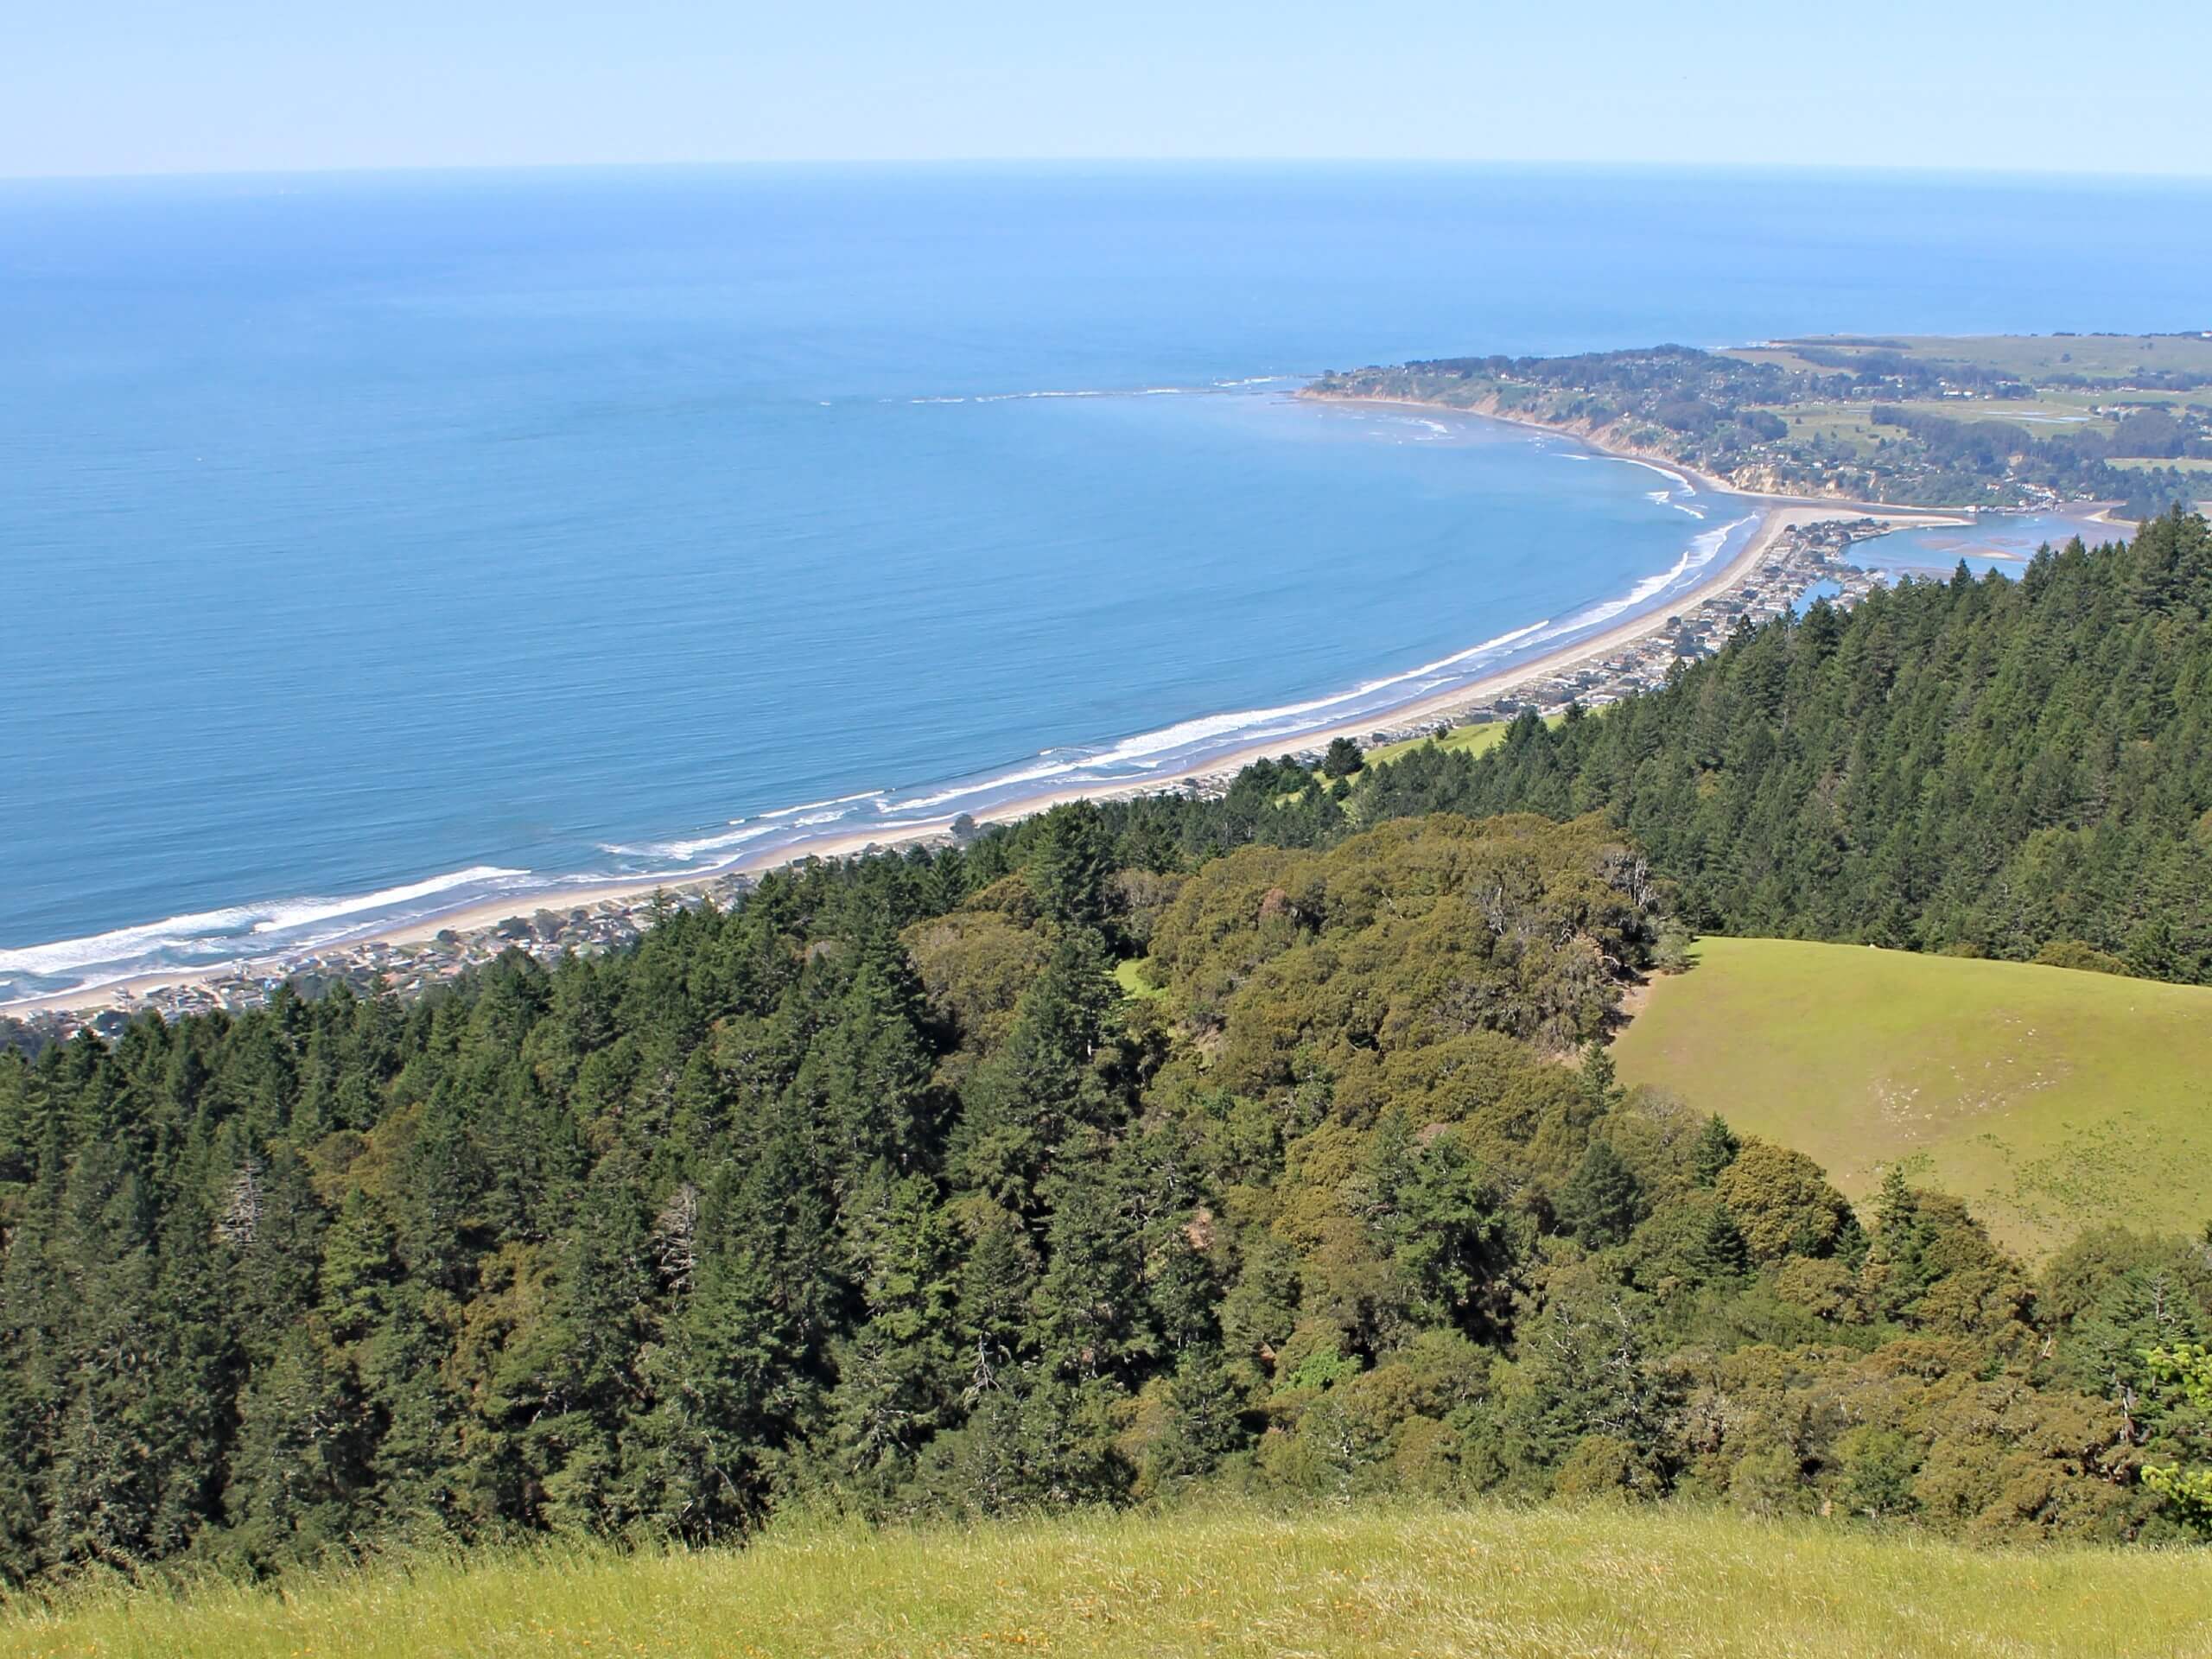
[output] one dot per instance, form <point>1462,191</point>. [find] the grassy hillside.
<point>1491,1581</point>
<point>1478,739</point>
<point>2049,1099</point>
<point>2036,358</point>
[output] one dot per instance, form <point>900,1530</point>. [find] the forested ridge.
<point>2011,768</point>
<point>1986,765</point>
<point>878,1194</point>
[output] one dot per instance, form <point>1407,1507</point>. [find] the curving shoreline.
<point>620,902</point>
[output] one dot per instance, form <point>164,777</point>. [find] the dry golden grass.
<point>1492,1581</point>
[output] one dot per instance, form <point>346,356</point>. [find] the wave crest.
<point>244,925</point>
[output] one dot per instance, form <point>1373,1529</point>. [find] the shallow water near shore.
<point>380,545</point>
<point>2004,543</point>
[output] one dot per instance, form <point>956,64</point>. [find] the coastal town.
<point>1802,561</point>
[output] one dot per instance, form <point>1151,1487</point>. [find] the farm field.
<point>2032,357</point>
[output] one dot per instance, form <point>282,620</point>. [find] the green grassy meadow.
<point>1478,739</point>
<point>2048,414</point>
<point>2036,359</point>
<point>1490,1581</point>
<point>1129,975</point>
<point>2031,357</point>
<point>2049,1099</point>
<point>1463,740</point>
<point>1849,424</point>
<point>2186,463</point>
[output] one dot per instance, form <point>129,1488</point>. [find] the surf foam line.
<point>1147,752</point>
<point>1131,758</point>
<point>236,930</point>
<point>816,806</point>
<point>1699,554</point>
<point>691,847</point>
<point>1213,388</point>
<point>1681,479</point>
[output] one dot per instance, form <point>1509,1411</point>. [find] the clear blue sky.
<point>198,86</point>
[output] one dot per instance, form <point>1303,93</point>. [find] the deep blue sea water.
<point>377,544</point>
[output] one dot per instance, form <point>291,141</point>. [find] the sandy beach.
<point>1778,515</point>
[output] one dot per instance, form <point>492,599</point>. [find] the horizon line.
<point>1047,164</point>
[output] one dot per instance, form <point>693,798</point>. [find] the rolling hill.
<point>2049,1099</point>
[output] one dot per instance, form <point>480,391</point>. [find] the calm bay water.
<point>1999,542</point>
<point>372,544</point>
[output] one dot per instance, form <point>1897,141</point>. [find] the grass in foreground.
<point>1488,1582</point>
<point>2050,1100</point>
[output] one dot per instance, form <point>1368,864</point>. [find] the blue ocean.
<point>376,544</point>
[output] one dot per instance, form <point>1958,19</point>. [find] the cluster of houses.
<point>371,966</point>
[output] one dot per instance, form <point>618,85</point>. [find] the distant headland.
<point>2001,421</point>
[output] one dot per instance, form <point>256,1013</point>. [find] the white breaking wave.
<point>1147,750</point>
<point>1142,749</point>
<point>1099,392</point>
<point>62,956</point>
<point>301,912</point>
<point>1700,553</point>
<point>691,847</point>
<point>1681,480</point>
<point>243,923</point>
<point>1014,397</point>
<point>1034,774</point>
<point>816,806</point>
<point>601,877</point>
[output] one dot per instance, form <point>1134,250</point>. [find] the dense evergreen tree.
<point>1989,765</point>
<point>1601,1202</point>
<point>879,1192</point>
